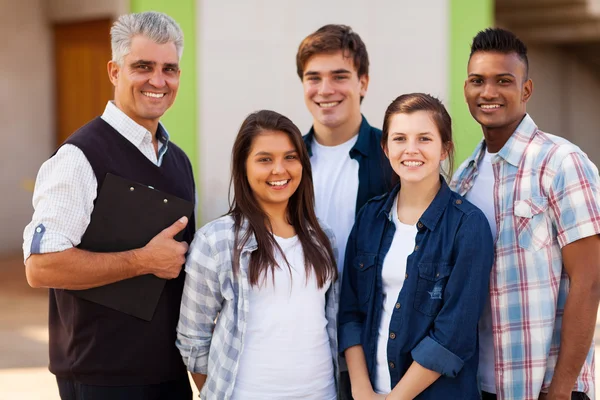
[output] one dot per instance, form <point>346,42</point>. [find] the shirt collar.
<point>130,129</point>
<point>252,244</point>
<point>362,143</point>
<point>514,148</point>
<point>432,214</point>
<point>477,155</point>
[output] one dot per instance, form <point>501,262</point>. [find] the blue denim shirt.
<point>446,284</point>
<point>375,175</point>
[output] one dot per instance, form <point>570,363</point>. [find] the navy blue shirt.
<point>446,285</point>
<point>375,175</point>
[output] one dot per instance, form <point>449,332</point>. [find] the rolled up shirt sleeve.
<point>63,200</point>
<point>200,304</point>
<point>453,338</point>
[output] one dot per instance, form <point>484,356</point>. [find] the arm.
<point>453,337</point>
<point>351,321</point>
<point>63,201</point>
<point>574,201</point>
<point>199,380</point>
<point>359,375</point>
<point>581,261</point>
<point>163,256</point>
<point>201,304</point>
<point>416,379</point>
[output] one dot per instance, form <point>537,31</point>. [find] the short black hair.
<point>501,41</point>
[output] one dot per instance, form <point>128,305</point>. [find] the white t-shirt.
<point>392,276</point>
<point>286,352</point>
<point>335,178</point>
<point>482,196</point>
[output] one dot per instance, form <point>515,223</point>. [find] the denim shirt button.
<point>392,365</point>
<point>406,276</point>
<point>392,335</point>
<point>419,225</point>
<point>361,265</point>
<point>398,306</point>
<point>459,201</point>
<point>416,247</point>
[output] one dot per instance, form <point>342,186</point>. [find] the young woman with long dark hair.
<point>258,314</point>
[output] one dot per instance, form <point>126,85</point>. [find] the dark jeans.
<point>345,389</point>
<point>574,396</point>
<point>174,390</point>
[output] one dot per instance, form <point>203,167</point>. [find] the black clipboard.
<point>126,216</point>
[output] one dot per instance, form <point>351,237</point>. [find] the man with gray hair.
<point>97,352</point>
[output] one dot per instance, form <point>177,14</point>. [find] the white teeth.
<point>329,105</point>
<point>278,183</point>
<point>489,106</point>
<point>155,95</point>
<point>412,163</point>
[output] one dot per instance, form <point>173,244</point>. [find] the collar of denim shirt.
<point>432,214</point>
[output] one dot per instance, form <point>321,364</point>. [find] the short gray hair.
<point>154,25</point>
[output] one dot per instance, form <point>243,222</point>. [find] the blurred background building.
<point>240,57</point>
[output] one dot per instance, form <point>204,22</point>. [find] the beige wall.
<point>25,112</point>
<point>565,98</point>
<point>76,10</point>
<point>26,109</point>
<point>247,56</point>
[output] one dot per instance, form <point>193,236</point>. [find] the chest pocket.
<point>532,224</point>
<point>365,272</point>
<point>431,283</point>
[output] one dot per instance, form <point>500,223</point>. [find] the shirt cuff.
<point>581,231</point>
<point>432,355</point>
<point>195,360</point>
<point>349,335</point>
<point>42,241</point>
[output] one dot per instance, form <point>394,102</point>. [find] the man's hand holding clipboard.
<point>131,216</point>
<point>164,252</point>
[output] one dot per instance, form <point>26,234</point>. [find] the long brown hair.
<point>318,253</point>
<point>413,102</point>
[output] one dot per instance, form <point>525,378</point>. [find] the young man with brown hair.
<point>349,166</point>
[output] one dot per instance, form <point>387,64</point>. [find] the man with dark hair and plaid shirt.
<point>541,195</point>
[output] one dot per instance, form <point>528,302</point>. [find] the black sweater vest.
<point>95,344</point>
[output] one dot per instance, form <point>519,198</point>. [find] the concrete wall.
<point>565,98</point>
<point>26,113</point>
<point>247,62</point>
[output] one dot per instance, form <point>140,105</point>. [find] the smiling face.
<point>414,147</point>
<point>147,82</point>
<point>332,91</point>
<point>273,169</point>
<point>497,91</point>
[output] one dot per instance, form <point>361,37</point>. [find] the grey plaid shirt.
<point>214,308</point>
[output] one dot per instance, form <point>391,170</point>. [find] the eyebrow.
<point>153,63</point>
<point>335,71</point>
<point>266,153</point>
<point>418,134</point>
<point>497,75</point>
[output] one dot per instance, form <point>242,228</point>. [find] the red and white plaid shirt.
<point>547,195</point>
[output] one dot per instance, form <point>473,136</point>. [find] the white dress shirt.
<point>65,188</point>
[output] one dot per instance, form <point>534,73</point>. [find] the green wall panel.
<point>180,120</point>
<point>467,17</point>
